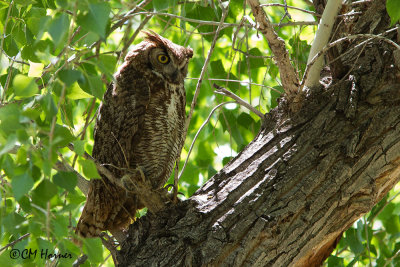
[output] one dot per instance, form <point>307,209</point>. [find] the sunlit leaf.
<point>24,86</point>
<point>35,69</point>
<point>89,169</point>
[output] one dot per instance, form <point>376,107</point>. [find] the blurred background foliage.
<point>57,57</point>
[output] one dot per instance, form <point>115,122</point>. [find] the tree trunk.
<point>288,196</point>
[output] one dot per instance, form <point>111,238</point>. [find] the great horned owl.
<point>140,125</point>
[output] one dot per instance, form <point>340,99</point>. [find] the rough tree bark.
<point>288,196</point>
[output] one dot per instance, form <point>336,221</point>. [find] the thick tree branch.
<point>288,75</point>
<point>321,40</point>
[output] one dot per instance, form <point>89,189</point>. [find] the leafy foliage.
<point>57,58</point>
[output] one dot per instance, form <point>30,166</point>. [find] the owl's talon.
<point>170,194</point>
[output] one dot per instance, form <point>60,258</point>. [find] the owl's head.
<point>164,58</point>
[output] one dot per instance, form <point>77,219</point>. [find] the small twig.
<point>134,35</point>
<point>13,59</point>
<point>197,134</point>
<point>296,23</point>
<point>367,239</point>
<point>250,55</point>
<point>15,242</point>
<point>222,91</point>
<point>79,261</point>
<point>285,7</point>
<point>237,81</point>
<point>291,7</point>
<point>248,64</point>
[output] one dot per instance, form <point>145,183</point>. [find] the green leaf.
<point>211,171</point>
<point>58,28</point>
<point>79,147</point>
<point>205,154</point>
<point>44,192</point>
<point>94,249</point>
<point>225,160</point>
<point>66,180</point>
<point>392,7</point>
<point>96,18</point>
<point>11,221</point>
<point>48,105</point>
<point>275,94</point>
<point>75,92</point>
<point>245,120</point>
<point>217,69</point>
<point>10,144</point>
<point>334,261</point>
<point>107,63</point>
<point>33,19</point>
<point>392,224</point>
<point>96,86</point>
<point>191,174</point>
<point>162,4</point>
<point>21,185</point>
<point>24,86</point>
<point>10,47</point>
<point>355,244</point>
<point>62,136</point>
<point>89,169</point>
<point>69,77</point>
<point>25,203</point>
<point>9,119</point>
<point>60,226</point>
<point>257,61</point>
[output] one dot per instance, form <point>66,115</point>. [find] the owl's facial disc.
<point>164,64</point>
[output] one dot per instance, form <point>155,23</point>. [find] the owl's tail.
<point>106,208</point>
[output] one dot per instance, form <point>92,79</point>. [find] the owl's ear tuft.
<point>154,37</point>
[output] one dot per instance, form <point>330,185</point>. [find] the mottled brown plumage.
<point>140,126</point>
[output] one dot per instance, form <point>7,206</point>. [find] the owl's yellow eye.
<point>164,59</point>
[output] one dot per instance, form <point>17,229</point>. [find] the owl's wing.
<point>120,116</point>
